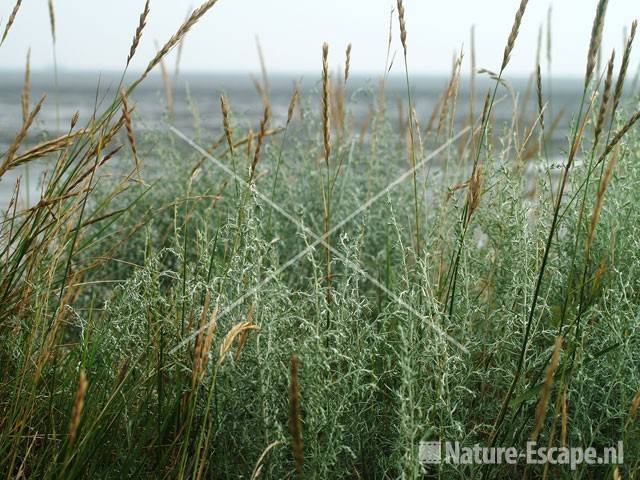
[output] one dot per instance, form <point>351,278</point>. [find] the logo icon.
<point>430,453</point>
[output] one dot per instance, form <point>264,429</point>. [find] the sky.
<point>95,35</point>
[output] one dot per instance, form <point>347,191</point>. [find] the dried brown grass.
<point>52,20</point>
<point>138,35</point>
<point>168,88</point>
<point>541,409</point>
<point>244,334</point>
<point>515,29</point>
<point>403,26</point>
<point>326,126</point>
<point>261,137</point>
<point>228,132</point>
<point>596,40</point>
<point>45,148</point>
<point>175,38</point>
<point>347,63</point>
<point>597,209</point>
<point>617,96</point>
<point>26,89</point>
<point>539,95</point>
<point>78,406</point>
<point>11,20</point>
<point>128,125</point>
<point>293,103</point>
<point>635,406</point>
<point>474,191</point>
<point>606,96</point>
<point>204,339</point>
<point>231,336</point>
<point>176,72</point>
<point>619,135</point>
<point>263,67</point>
<point>22,133</point>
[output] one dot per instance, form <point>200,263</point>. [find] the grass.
<point>171,329</point>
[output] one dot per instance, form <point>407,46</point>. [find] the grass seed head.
<point>194,18</point>
<point>228,132</point>
<point>596,40</point>
<point>52,20</point>
<point>293,103</point>
<point>347,64</point>
<point>604,103</point>
<point>539,95</point>
<point>403,26</point>
<point>261,136</point>
<point>128,125</point>
<point>11,20</point>
<point>78,406</point>
<point>515,29</point>
<point>617,96</point>
<point>619,135</point>
<point>138,35</point>
<point>26,89</point>
<point>231,335</point>
<point>326,129</point>
<point>546,389</point>
<point>595,216</point>
<point>22,133</point>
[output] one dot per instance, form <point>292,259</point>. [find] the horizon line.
<point>275,73</point>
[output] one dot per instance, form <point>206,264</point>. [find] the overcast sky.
<point>96,34</point>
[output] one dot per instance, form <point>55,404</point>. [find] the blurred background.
<point>80,70</point>
<point>95,36</point>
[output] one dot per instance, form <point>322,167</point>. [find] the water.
<point>88,92</point>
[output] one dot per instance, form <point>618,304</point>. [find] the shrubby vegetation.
<point>160,322</point>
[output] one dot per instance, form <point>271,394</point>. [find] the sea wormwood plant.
<point>162,329</point>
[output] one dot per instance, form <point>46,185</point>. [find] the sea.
<point>196,104</point>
